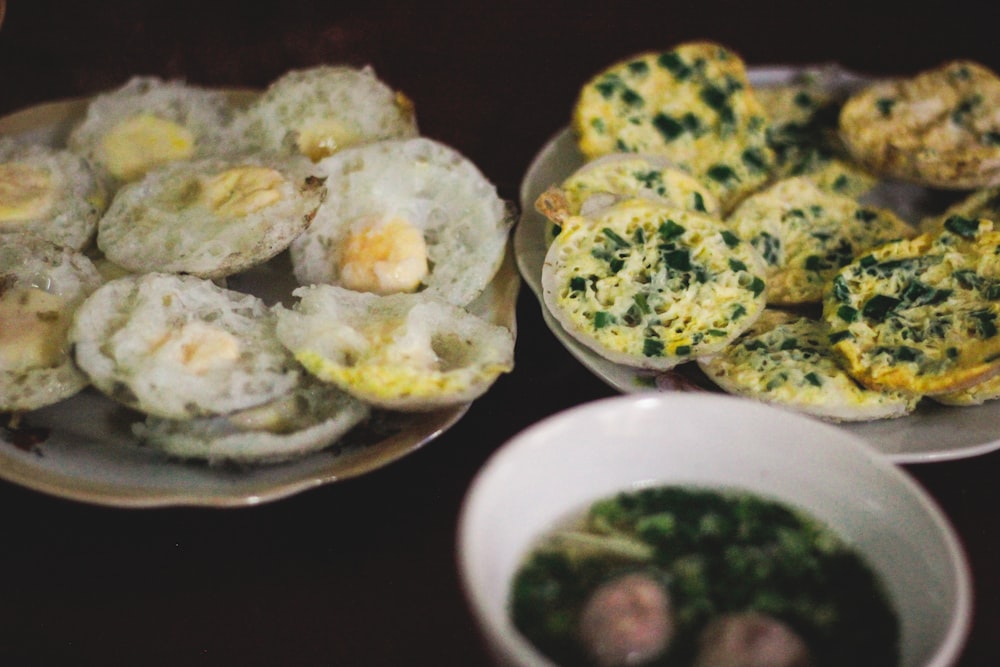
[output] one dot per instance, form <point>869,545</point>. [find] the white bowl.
<point>564,463</point>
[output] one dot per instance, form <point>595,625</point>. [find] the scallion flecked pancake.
<point>693,104</point>
<point>652,286</point>
<point>939,128</point>
<point>806,234</point>
<point>921,315</point>
<point>785,359</point>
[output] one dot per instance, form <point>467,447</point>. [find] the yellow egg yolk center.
<point>383,256</point>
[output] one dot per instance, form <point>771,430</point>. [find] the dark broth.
<point>715,553</point>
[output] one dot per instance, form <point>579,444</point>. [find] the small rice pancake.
<point>939,128</point>
<point>212,217</point>
<point>804,135</point>
<point>41,285</point>
<point>149,122</point>
<point>309,418</point>
<point>652,286</point>
<point>318,111</point>
<point>984,203</point>
<point>404,215</point>
<point>601,182</point>
<point>180,347</point>
<point>786,360</point>
<point>50,192</point>
<point>692,104</point>
<point>921,315</point>
<point>805,235</point>
<point>406,352</point>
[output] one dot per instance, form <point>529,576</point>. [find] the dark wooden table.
<point>363,572</point>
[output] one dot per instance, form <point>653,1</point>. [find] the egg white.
<point>51,192</point>
<point>408,352</point>
<point>310,417</point>
<point>149,122</point>
<point>36,366</point>
<point>425,184</point>
<point>320,110</point>
<point>204,218</point>
<point>180,347</point>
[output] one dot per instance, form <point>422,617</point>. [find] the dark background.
<point>362,572</point>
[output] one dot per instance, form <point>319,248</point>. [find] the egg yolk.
<point>25,192</point>
<point>322,138</point>
<point>199,348</point>
<point>142,142</point>
<point>238,192</point>
<point>383,256</point>
<point>33,329</point>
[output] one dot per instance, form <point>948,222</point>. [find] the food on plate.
<point>309,417</point>
<point>806,234</point>
<point>193,197</point>
<point>603,181</point>
<point>652,286</point>
<point>920,315</point>
<point>150,122</point>
<point>41,285</point>
<point>180,347</point>
<point>823,199</point>
<point>803,132</point>
<point>211,217</point>
<point>939,128</point>
<point>786,359</point>
<point>320,110</point>
<point>407,352</point>
<point>694,576</point>
<point>692,104</point>
<point>50,192</point>
<point>404,215</point>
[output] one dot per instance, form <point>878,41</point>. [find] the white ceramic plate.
<point>83,449</point>
<point>932,433</point>
<point>561,465</point>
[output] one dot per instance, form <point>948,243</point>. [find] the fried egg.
<point>50,192</point>
<point>310,417</point>
<point>786,359</point>
<point>41,285</point>
<point>150,122</point>
<point>404,215</point>
<point>320,110</point>
<point>180,347</point>
<point>921,315</point>
<point>407,352</point>
<point>652,286</point>
<point>211,217</point>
